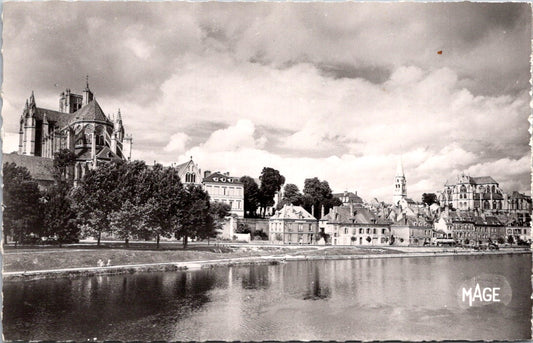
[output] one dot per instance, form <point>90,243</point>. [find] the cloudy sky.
<point>339,91</point>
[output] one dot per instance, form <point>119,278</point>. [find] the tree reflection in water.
<point>317,292</point>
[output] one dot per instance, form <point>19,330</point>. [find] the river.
<point>372,299</point>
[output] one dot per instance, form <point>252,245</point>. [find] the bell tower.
<point>400,184</point>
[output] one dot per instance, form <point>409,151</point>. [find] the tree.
<point>429,199</point>
<point>127,221</point>
<point>291,195</point>
<point>60,219</point>
<point>271,182</point>
<point>193,217</point>
<point>161,209</point>
<point>316,194</point>
<point>103,191</point>
<point>22,214</point>
<point>63,161</point>
<point>218,211</point>
<point>510,239</point>
<point>251,196</point>
<point>501,240</point>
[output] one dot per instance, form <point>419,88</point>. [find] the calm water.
<point>407,298</point>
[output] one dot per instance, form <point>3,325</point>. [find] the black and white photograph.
<point>252,171</point>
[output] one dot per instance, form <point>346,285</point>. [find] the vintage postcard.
<point>251,171</point>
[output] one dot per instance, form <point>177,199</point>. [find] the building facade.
<point>225,189</point>
<point>80,125</point>
<point>348,225</point>
<point>189,173</point>
<point>293,225</point>
<point>470,193</point>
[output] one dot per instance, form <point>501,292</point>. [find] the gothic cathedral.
<point>80,125</point>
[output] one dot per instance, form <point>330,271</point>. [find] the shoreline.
<point>227,262</point>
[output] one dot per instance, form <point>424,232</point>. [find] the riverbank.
<point>80,262</point>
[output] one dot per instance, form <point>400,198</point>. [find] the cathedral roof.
<point>61,119</point>
<point>40,168</point>
<point>482,180</point>
<point>91,111</point>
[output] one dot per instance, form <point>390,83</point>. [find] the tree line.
<point>126,199</point>
<point>257,198</point>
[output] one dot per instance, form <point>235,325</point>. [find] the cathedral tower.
<point>400,185</point>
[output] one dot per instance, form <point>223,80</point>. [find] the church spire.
<point>399,168</point>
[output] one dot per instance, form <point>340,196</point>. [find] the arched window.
<point>463,188</point>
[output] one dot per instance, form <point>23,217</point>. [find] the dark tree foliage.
<point>193,215</point>
<point>291,195</point>
<point>165,194</point>
<point>271,182</point>
<point>22,208</point>
<point>251,196</point>
<point>429,199</point>
<point>316,194</point>
<point>60,220</point>
<point>102,192</point>
<point>64,161</point>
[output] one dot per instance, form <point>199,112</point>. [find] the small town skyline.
<point>309,106</point>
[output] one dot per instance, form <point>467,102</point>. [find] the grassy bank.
<point>87,256</point>
<point>27,263</point>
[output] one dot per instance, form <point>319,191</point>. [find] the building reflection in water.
<point>380,299</point>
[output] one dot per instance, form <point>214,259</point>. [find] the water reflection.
<point>381,299</point>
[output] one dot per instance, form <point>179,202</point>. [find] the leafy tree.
<point>218,212</point>
<point>271,182</point>
<point>161,209</point>
<point>291,195</point>
<point>429,199</point>
<point>103,191</point>
<point>251,196</point>
<point>193,217</point>
<point>60,219</point>
<point>501,240</point>
<point>510,239</point>
<point>22,214</point>
<point>316,194</point>
<point>64,160</point>
<point>127,221</point>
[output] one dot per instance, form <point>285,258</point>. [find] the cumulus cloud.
<point>177,142</point>
<point>334,90</point>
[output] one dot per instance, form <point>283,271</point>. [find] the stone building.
<point>225,189</point>
<point>470,193</point>
<point>412,231</point>
<point>189,173</point>
<point>293,225</point>
<point>80,125</point>
<point>348,225</point>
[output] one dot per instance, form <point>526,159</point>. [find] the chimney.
<point>207,173</point>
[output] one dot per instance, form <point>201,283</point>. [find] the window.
<point>374,231</point>
<point>361,230</point>
<point>345,230</point>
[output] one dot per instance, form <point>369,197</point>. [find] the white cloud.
<point>177,142</point>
